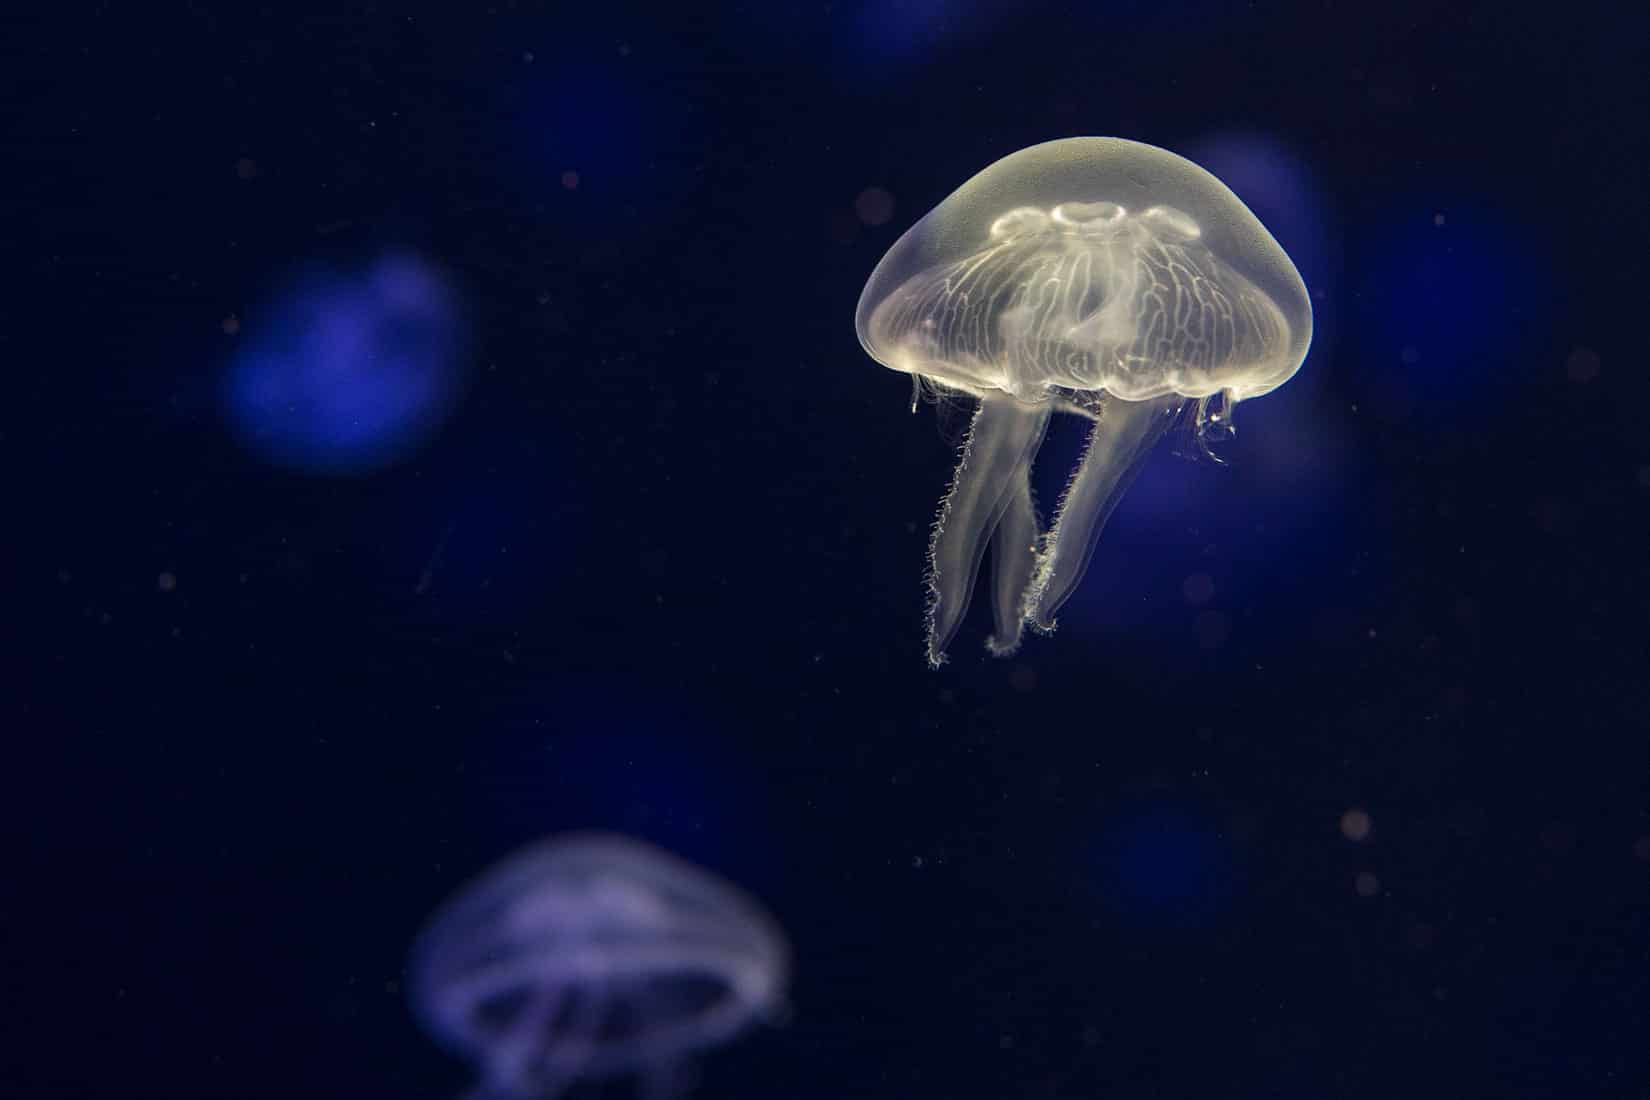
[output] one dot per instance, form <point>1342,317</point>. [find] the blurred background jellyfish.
<point>589,956</point>
<point>349,372</point>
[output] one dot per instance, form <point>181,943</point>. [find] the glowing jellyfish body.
<point>1095,276</point>
<point>590,956</point>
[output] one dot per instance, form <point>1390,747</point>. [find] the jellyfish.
<point>1093,276</point>
<point>590,956</point>
<point>350,372</point>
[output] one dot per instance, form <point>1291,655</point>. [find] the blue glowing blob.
<point>348,372</point>
<point>1165,865</point>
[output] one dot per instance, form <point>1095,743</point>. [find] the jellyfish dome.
<point>1094,276</point>
<point>590,956</point>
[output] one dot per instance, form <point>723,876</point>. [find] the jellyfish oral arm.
<point>1013,563</point>
<point>992,480</point>
<point>520,1055</point>
<point>1117,448</point>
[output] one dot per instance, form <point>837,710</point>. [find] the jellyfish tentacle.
<point>996,457</point>
<point>1122,437</point>
<point>1213,423</point>
<point>584,1026</point>
<point>1013,563</point>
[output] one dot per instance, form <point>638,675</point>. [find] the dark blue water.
<point>437,427</point>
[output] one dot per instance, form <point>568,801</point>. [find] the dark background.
<point>657,568</point>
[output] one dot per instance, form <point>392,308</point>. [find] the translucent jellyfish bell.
<point>1095,276</point>
<point>591,956</point>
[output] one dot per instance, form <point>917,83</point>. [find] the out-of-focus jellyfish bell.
<point>590,956</point>
<point>350,372</point>
<point>1095,276</point>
